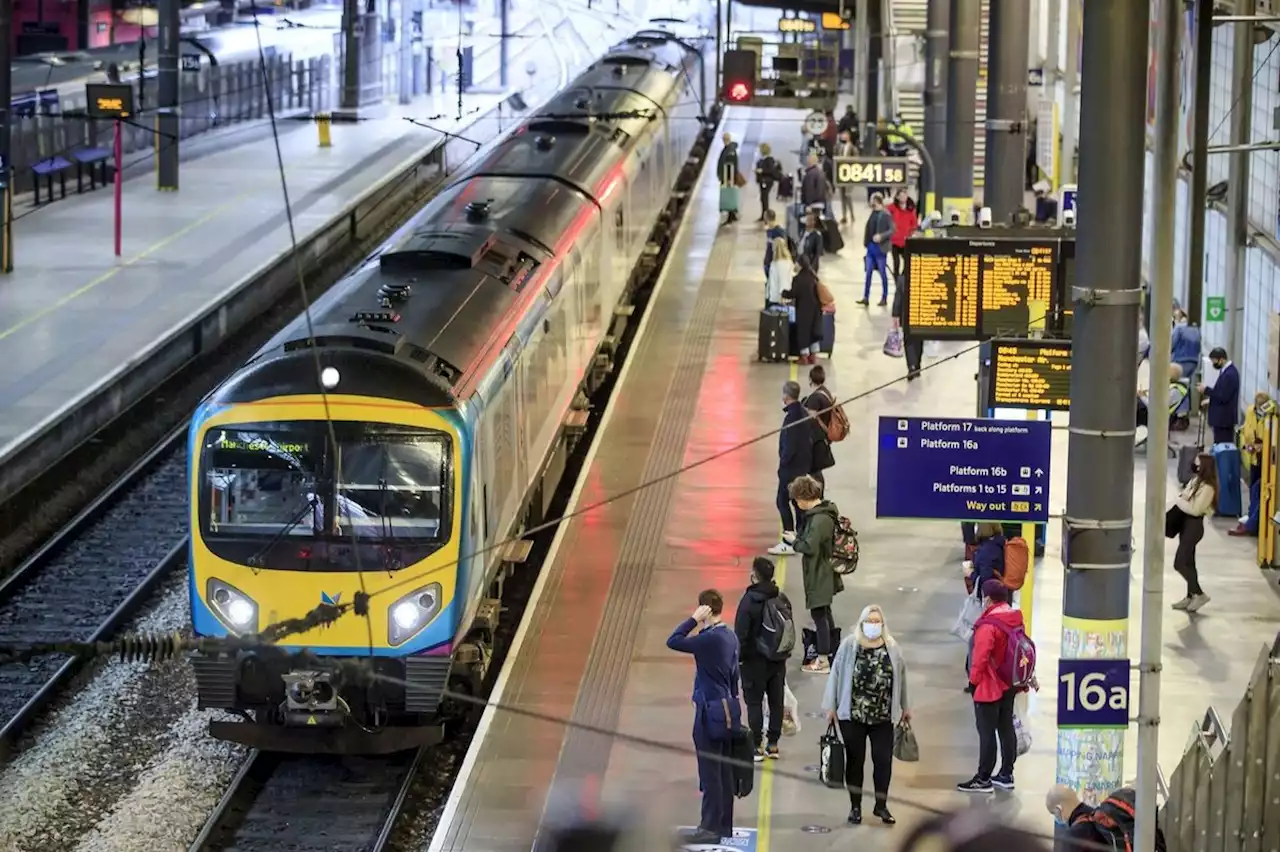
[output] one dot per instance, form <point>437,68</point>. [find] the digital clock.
<point>871,171</point>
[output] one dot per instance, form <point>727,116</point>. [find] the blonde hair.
<point>884,622</point>
<point>781,251</point>
<point>765,150</point>
<point>989,530</point>
<point>1175,372</point>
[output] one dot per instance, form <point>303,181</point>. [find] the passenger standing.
<point>811,243</point>
<point>1251,446</point>
<point>828,138</point>
<point>845,148</point>
<point>848,123</point>
<point>772,232</point>
<point>820,402</point>
<point>1186,520</point>
<point>795,459</point>
<point>764,670</point>
<point>1185,349</point>
<point>1046,206</point>
<point>804,293</point>
<point>779,271</point>
<point>878,232</point>
<point>912,346</point>
<point>717,713</point>
<point>988,559</point>
<point>816,542</point>
<point>1223,399</point>
<point>905,222</point>
<point>727,170</point>
<point>867,696</point>
<point>992,693</point>
<point>767,173</point>
<point>813,185</point>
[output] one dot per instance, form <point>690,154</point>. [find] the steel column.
<point>1199,162</point>
<point>1071,103</point>
<point>1238,175</point>
<point>936,48</point>
<point>168,91</point>
<point>1098,525</point>
<point>1009,34</point>
<point>6,164</point>
<point>962,106</point>
<point>352,30</point>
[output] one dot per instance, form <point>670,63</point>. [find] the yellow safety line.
<point>114,271</point>
<point>764,802</point>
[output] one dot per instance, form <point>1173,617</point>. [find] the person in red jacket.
<point>992,694</point>
<point>905,222</point>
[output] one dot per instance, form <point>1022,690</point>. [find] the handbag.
<point>970,611</point>
<point>739,179</point>
<point>1022,735</point>
<point>1174,520</point>
<point>831,758</point>
<point>905,747</point>
<point>893,343</point>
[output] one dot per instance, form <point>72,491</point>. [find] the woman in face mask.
<point>866,696</point>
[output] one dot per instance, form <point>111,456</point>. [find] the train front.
<point>296,499</point>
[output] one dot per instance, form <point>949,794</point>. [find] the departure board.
<point>1030,374</point>
<point>1017,287</point>
<point>943,296</point>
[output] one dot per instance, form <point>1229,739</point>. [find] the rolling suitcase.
<point>1187,455</point>
<point>786,186</point>
<point>775,332</point>
<point>828,334</point>
<point>1226,457</point>
<point>728,199</point>
<point>832,242</point>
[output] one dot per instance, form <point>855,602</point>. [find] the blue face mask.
<point>1058,820</point>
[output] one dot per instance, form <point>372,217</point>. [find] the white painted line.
<point>500,686</point>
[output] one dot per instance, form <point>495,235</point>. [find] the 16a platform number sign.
<point>1093,694</point>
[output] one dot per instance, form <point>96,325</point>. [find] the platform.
<point>74,319</point>
<point>620,578</point>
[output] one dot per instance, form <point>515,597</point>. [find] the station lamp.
<point>739,76</point>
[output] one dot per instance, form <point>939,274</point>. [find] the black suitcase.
<point>828,334</point>
<point>1188,453</point>
<point>786,186</point>
<point>832,242</point>
<point>774,333</point>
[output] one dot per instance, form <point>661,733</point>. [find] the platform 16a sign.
<point>1093,694</point>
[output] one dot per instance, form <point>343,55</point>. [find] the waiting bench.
<point>90,162</point>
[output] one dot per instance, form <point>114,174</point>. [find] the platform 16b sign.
<point>871,171</point>
<point>1093,694</point>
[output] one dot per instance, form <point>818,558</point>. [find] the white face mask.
<point>871,629</point>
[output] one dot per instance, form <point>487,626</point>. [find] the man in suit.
<point>1223,399</point>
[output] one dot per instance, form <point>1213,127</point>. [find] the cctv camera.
<point>1069,218</point>
<point>984,217</point>
<point>955,217</point>
<point>935,217</point>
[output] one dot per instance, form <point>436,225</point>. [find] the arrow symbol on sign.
<point>1039,472</point>
<point>1037,507</point>
<point>1039,490</point>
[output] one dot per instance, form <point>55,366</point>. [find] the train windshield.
<point>274,483</point>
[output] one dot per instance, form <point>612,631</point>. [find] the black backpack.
<point>777,636</point>
<point>1114,820</point>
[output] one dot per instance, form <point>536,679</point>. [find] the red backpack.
<point>1018,668</point>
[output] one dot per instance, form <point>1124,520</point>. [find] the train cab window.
<point>260,480</point>
<point>392,485</point>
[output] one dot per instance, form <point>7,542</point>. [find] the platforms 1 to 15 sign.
<point>963,470</point>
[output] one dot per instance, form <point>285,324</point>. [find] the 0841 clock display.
<point>871,171</point>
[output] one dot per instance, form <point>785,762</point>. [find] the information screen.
<point>1017,287</point>
<point>109,100</point>
<point>871,171</point>
<point>944,295</point>
<point>1031,374</point>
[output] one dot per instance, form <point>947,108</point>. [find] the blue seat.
<point>48,169</point>
<point>91,161</point>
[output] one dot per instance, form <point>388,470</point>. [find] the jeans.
<point>764,680</point>
<point>1255,498</point>
<point>1184,558</point>
<point>855,735</point>
<point>995,724</point>
<point>787,510</point>
<point>822,624</point>
<point>913,351</point>
<point>876,261</point>
<point>715,779</point>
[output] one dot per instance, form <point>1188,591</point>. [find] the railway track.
<point>311,804</point>
<point>90,578</point>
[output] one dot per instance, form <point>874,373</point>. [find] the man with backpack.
<point>824,408</point>
<point>1001,665</point>
<point>766,638</point>
<point>768,171</point>
<point>1110,824</point>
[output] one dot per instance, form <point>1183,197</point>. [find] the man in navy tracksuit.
<point>717,714</point>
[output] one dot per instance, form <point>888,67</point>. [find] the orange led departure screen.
<point>1017,288</point>
<point>1031,374</point>
<point>943,297</point>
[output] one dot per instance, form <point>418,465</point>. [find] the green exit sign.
<point>1215,309</point>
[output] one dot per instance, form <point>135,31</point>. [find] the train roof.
<point>452,286</point>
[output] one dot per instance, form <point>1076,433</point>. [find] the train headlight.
<point>413,612</point>
<point>236,610</point>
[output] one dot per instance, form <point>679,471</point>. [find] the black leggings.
<point>855,736</point>
<point>899,261</point>
<point>1184,559</point>
<point>764,199</point>
<point>822,624</point>
<point>995,724</point>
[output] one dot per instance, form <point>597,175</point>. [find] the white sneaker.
<point>1183,604</point>
<point>789,537</point>
<point>1196,602</point>
<point>782,549</point>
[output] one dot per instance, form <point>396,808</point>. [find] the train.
<point>416,422</point>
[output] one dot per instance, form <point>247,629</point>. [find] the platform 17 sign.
<point>1093,694</point>
<point>963,470</point>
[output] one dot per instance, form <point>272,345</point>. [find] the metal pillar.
<point>962,106</point>
<point>352,31</point>
<point>6,165</point>
<point>504,24</point>
<point>1097,527</point>
<point>1006,165</point>
<point>82,23</point>
<point>935,89</point>
<point>1071,104</point>
<point>1164,176</point>
<point>1238,174</point>
<point>404,77</point>
<point>877,106</point>
<point>719,52</point>
<point>861,59</point>
<point>1199,162</point>
<point>169,88</point>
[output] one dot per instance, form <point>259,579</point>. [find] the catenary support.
<point>1009,29</point>
<point>936,48</point>
<point>6,166</point>
<point>1199,163</point>
<point>1164,175</point>
<point>352,30</point>
<point>1098,525</point>
<point>167,127</point>
<point>1238,173</point>
<point>1071,79</point>
<point>962,108</point>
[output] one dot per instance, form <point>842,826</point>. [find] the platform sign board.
<point>1093,694</point>
<point>797,25</point>
<point>1034,375</point>
<point>871,171</point>
<point>743,840</point>
<point>109,100</point>
<point>963,469</point>
<point>971,288</point>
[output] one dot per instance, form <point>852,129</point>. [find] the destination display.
<point>963,470</point>
<point>797,25</point>
<point>109,100</point>
<point>968,288</point>
<point>871,171</point>
<point>1031,374</point>
<point>943,296</point>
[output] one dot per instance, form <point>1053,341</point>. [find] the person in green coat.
<point>815,542</point>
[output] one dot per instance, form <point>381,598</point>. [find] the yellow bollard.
<point>323,122</point>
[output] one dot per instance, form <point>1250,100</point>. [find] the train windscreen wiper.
<point>257,560</point>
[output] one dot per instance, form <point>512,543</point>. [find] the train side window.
<point>619,229</point>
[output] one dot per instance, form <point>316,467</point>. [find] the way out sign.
<point>1093,694</point>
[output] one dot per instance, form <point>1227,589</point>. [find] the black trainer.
<point>975,785</point>
<point>855,816</point>
<point>1004,782</point>
<point>887,818</point>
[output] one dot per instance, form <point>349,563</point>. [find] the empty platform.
<point>622,577</point>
